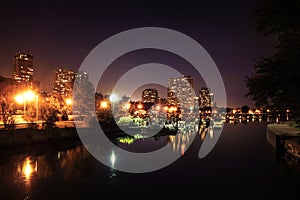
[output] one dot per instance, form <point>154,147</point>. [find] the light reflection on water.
<point>24,170</point>
<point>22,174</point>
<point>27,168</point>
<point>180,141</point>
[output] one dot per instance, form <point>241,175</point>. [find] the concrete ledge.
<point>284,138</point>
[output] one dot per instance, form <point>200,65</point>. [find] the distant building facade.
<point>81,77</point>
<point>150,96</point>
<point>63,81</point>
<point>181,92</point>
<point>24,69</point>
<point>205,98</point>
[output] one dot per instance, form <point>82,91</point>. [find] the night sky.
<point>62,34</point>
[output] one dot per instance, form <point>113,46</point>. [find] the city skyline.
<point>234,53</point>
<point>102,99</point>
<point>64,79</point>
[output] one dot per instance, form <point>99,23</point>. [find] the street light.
<point>27,96</point>
<point>103,104</point>
<point>140,106</point>
<point>69,102</point>
<point>20,100</point>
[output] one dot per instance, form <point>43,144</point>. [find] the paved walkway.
<point>284,129</point>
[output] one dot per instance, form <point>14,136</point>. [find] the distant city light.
<point>257,111</point>
<point>140,106</point>
<point>166,108</point>
<point>127,106</point>
<point>69,101</point>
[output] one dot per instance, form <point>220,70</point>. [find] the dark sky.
<point>63,33</point>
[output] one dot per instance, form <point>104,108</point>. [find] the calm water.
<point>242,164</point>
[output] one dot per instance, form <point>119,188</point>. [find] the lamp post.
<point>103,105</point>
<point>27,96</point>
<point>37,108</point>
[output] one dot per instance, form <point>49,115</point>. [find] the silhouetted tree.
<point>7,111</point>
<point>49,116</point>
<point>84,96</point>
<point>275,82</point>
<point>245,109</point>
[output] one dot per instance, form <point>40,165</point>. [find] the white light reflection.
<point>113,159</point>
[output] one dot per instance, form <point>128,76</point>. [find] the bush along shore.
<point>65,130</point>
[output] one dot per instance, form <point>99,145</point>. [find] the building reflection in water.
<point>180,141</point>
<point>208,135</point>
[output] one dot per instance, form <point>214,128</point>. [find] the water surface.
<point>242,164</point>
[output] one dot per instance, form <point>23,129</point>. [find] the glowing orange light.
<point>140,106</point>
<point>27,169</point>
<point>69,101</point>
<point>257,111</point>
<point>166,108</point>
<point>103,104</point>
<point>19,99</point>
<point>29,95</point>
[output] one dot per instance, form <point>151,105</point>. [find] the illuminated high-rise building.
<point>82,77</point>
<point>63,81</point>
<point>150,96</point>
<point>205,98</point>
<point>23,68</point>
<point>181,92</point>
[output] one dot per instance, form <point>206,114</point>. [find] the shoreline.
<point>16,137</point>
<point>284,139</point>
<point>29,136</point>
